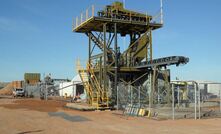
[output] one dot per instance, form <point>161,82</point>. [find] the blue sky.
<point>36,36</point>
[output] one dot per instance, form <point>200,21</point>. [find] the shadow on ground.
<point>65,116</point>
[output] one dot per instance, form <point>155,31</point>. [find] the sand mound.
<point>7,90</point>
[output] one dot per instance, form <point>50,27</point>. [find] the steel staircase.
<point>85,80</point>
<point>102,94</point>
<point>97,40</point>
<point>96,96</point>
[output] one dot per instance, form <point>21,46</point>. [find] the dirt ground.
<point>18,116</point>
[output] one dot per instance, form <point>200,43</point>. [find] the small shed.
<point>73,88</point>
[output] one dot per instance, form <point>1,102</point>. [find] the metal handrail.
<point>90,12</point>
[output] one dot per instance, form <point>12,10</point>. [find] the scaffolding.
<point>133,73</point>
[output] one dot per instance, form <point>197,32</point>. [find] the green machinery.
<point>108,68</point>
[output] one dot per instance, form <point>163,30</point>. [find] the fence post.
<point>62,90</point>
<point>158,95</point>
<point>173,105</point>
<point>46,92</point>
<point>117,98</point>
<point>139,95</point>
<point>220,100</point>
<point>150,90</point>
<point>199,103</point>
<point>195,100</point>
<point>178,95</point>
<point>131,94</point>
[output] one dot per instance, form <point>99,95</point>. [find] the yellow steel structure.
<point>109,67</point>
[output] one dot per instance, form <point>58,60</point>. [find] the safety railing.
<point>93,10</point>
<point>80,64</point>
<point>157,18</point>
<point>84,16</point>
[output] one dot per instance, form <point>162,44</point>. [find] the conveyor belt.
<point>163,62</point>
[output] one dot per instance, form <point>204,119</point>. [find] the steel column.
<point>151,51</point>
<point>104,58</point>
<point>89,49</point>
<point>100,72</point>
<point>116,56</point>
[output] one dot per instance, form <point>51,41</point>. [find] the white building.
<point>73,88</point>
<point>210,86</point>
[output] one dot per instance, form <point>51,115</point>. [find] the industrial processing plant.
<point>124,81</point>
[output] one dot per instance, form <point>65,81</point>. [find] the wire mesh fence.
<point>182,100</point>
<point>209,100</point>
<point>185,100</point>
<point>196,100</point>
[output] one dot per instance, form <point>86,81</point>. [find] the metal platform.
<point>124,26</point>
